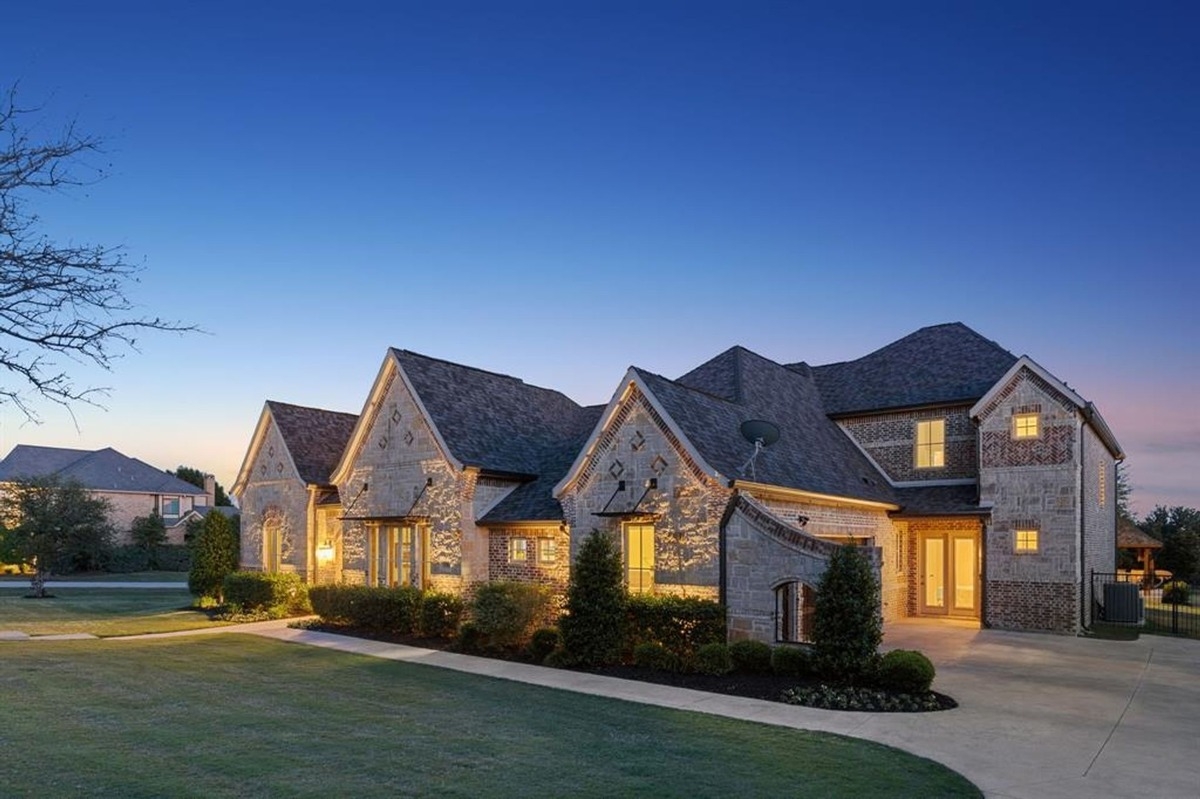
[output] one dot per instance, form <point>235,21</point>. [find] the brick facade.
<point>890,440</point>
<point>1032,606</point>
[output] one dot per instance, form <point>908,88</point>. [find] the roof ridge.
<point>685,386</point>
<point>481,370</point>
<point>310,408</point>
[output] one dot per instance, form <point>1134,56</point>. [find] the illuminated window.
<point>1026,541</point>
<point>170,506</point>
<point>639,557</point>
<point>931,444</point>
<point>398,556</point>
<point>1025,425</point>
<point>518,550</point>
<point>272,542</point>
<point>547,550</point>
<point>1103,490</point>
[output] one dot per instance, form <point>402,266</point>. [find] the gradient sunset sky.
<point>557,190</point>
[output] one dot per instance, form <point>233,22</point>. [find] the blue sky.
<point>560,190</point>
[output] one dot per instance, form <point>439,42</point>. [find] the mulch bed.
<point>752,686</point>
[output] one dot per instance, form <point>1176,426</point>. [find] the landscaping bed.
<point>808,691</point>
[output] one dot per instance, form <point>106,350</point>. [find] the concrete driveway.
<point>1051,716</point>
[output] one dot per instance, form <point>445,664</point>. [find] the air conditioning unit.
<point>1123,603</point>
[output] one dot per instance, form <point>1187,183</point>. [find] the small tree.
<point>592,629</point>
<point>214,555</point>
<point>149,533</point>
<point>190,474</point>
<point>53,527</point>
<point>847,624</point>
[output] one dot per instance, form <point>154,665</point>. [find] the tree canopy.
<point>59,301</point>
<point>53,527</point>
<point>195,476</point>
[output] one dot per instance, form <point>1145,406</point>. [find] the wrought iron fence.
<point>1125,598</point>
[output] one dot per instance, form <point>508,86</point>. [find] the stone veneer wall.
<point>395,457</point>
<point>890,440</point>
<point>687,505</point>
<point>1099,514</point>
<point>837,523</point>
<point>274,493</point>
<point>1032,484</point>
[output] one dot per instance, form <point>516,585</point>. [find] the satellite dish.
<point>756,430</point>
<point>762,435</point>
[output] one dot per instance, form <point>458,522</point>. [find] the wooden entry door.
<point>950,574</point>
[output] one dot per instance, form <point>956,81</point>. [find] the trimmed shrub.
<point>276,595</point>
<point>173,558</point>
<point>750,657</point>
<point>681,624</point>
<point>1176,593</point>
<point>126,558</point>
<point>713,659</point>
<point>906,671</point>
<point>543,642</point>
<point>469,638</point>
<point>656,657</point>
<point>506,611</point>
<point>847,626</point>
<point>791,661</point>
<point>592,627</point>
<point>379,609</point>
<point>441,614</point>
<point>559,659</point>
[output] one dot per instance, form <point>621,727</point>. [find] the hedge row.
<point>681,624</point>
<point>273,595</point>
<point>402,610</point>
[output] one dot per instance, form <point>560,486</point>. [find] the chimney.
<point>210,489</point>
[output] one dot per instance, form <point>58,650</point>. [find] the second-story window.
<point>931,444</point>
<point>1025,425</point>
<point>170,506</point>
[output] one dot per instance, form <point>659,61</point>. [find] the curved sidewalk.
<point>1039,715</point>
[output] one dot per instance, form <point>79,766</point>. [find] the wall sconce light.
<point>325,551</point>
<point>652,483</point>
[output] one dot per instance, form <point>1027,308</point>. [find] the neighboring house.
<point>980,485</point>
<point>132,487</point>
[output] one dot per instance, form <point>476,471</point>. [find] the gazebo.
<point>1142,545</point>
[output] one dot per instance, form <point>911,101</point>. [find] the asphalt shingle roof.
<point>316,438</point>
<point>812,453</point>
<point>101,470</point>
<point>935,365</point>
<point>503,425</point>
<point>952,500</point>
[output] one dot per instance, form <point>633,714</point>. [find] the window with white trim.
<point>547,550</point>
<point>518,550</point>
<point>170,507</point>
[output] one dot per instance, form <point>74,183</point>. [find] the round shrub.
<point>542,643</point>
<point>656,657</point>
<point>440,614</point>
<point>906,671</point>
<point>713,659</point>
<point>750,657</point>
<point>470,639</point>
<point>791,661</point>
<point>507,611</point>
<point>1176,593</point>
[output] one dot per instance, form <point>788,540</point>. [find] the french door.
<point>950,574</point>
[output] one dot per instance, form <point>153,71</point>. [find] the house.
<point>979,484</point>
<point>132,487</point>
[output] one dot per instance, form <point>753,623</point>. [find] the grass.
<point>235,715</point>
<point>101,611</point>
<point>105,577</point>
<point>1159,615</point>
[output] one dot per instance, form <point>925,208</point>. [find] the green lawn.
<point>105,577</point>
<point>100,611</point>
<point>1159,616</point>
<point>234,715</point>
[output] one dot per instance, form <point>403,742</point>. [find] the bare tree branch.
<point>56,299</point>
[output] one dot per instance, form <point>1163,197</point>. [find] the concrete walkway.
<point>1039,716</point>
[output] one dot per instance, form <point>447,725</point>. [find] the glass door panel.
<point>933,597</point>
<point>965,558</point>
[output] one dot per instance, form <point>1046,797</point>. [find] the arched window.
<point>794,605</point>
<point>272,540</point>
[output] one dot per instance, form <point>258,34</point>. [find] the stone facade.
<point>1099,479</point>
<point>408,477</point>
<point>1032,486</point>
<point>275,498</point>
<point>890,440</point>
<point>686,505</point>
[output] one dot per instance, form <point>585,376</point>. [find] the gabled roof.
<point>315,438</point>
<point>938,365</point>
<point>1087,409</point>
<point>1130,536</point>
<point>101,470</point>
<point>812,453</point>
